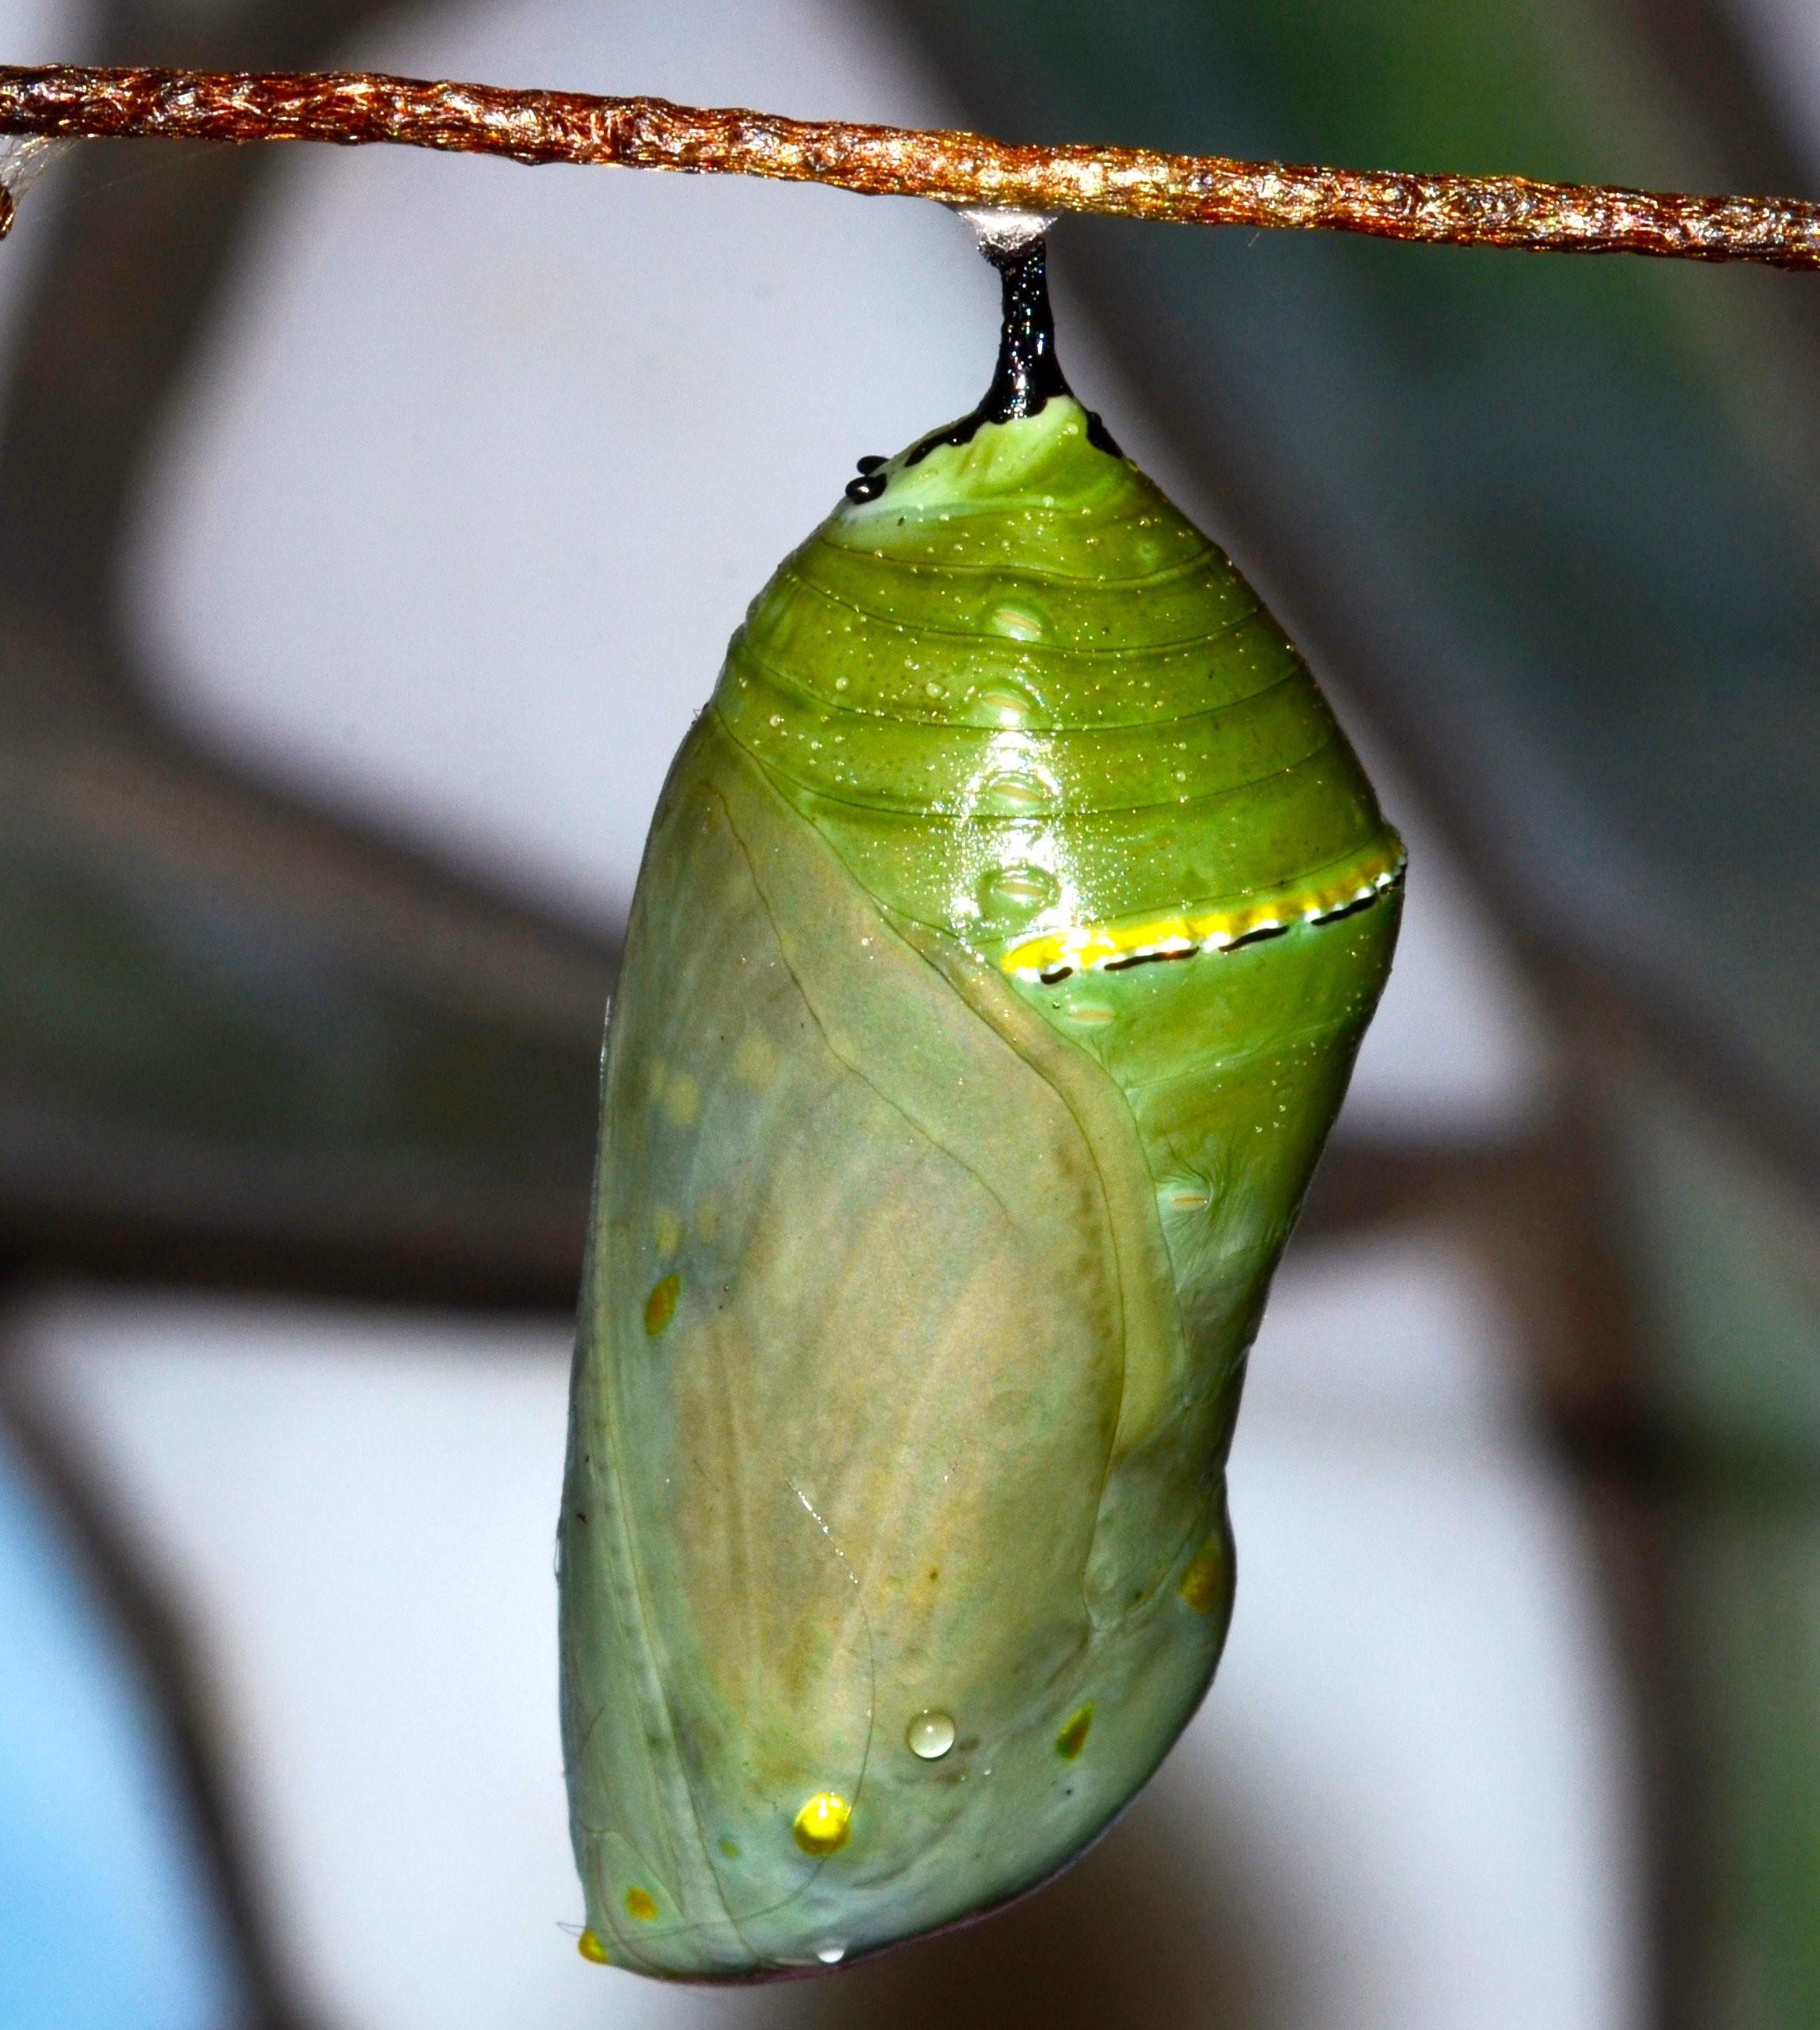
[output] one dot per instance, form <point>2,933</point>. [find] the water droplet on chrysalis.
<point>930,1734</point>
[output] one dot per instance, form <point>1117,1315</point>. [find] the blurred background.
<point>371,525</point>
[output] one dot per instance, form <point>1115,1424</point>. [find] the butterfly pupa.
<point>1008,925</point>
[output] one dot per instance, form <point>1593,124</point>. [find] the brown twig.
<point>354,106</point>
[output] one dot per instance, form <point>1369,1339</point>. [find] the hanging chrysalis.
<point>1008,925</point>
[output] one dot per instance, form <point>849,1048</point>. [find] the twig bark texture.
<point>355,107</point>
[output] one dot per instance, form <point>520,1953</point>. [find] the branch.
<point>354,106</point>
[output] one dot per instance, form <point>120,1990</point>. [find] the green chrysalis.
<point>1008,925</point>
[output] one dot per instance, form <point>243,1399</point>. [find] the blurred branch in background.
<point>73,103</point>
<point>239,1039</point>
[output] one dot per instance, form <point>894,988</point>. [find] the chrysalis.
<point>1008,925</point>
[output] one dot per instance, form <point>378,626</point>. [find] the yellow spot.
<point>1073,1737</point>
<point>755,1061</point>
<point>823,1824</point>
<point>641,1904</point>
<point>731,1848</point>
<point>661,1305</point>
<point>1357,879</point>
<point>682,1099</point>
<point>666,1231</point>
<point>589,1945</point>
<point>1203,1583</point>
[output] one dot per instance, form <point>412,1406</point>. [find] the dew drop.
<point>831,1955</point>
<point>823,1824</point>
<point>930,1734</point>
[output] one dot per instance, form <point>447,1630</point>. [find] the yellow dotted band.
<point>1347,885</point>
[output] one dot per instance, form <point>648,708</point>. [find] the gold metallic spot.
<point>640,1903</point>
<point>589,1945</point>
<point>1073,1737</point>
<point>666,1231</point>
<point>661,1305</point>
<point>1203,1583</point>
<point>731,1848</point>
<point>930,1734</point>
<point>823,1824</point>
